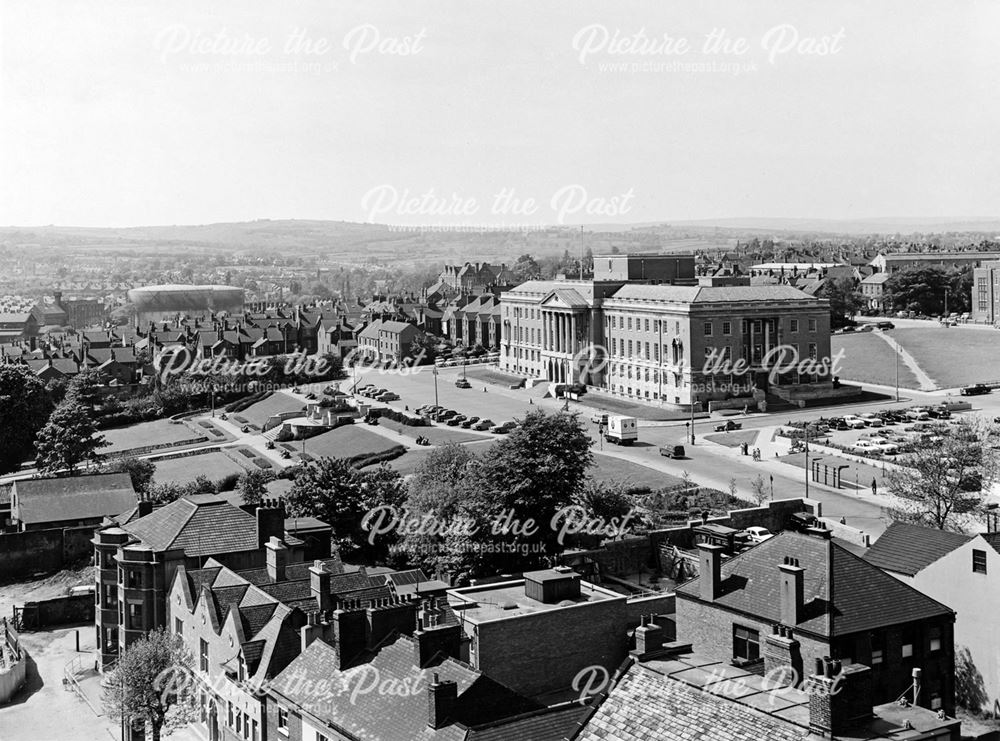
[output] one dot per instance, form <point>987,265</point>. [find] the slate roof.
<point>992,538</point>
<point>202,525</point>
<point>39,501</point>
<point>843,593</point>
<point>551,724</point>
<point>909,549</point>
<point>381,716</point>
<point>646,706</point>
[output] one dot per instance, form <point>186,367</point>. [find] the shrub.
<point>284,436</point>
<point>370,459</point>
<point>228,482</point>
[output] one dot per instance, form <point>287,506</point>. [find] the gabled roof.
<point>909,549</point>
<point>38,501</point>
<point>993,539</point>
<point>382,716</point>
<point>843,593</point>
<point>202,525</point>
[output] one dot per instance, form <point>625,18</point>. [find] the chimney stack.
<point>277,559</point>
<point>442,697</point>
<point>319,583</point>
<point>710,570</point>
<point>839,697</point>
<point>792,591</point>
<point>270,524</point>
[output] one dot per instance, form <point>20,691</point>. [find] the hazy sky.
<point>149,112</point>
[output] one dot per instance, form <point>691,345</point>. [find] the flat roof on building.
<point>506,600</point>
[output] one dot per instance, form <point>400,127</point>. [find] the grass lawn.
<point>259,413</point>
<point>869,359</point>
<point>157,432</point>
<point>953,357</point>
<point>734,438</point>
<point>606,468</point>
<point>345,442</point>
<point>187,469</point>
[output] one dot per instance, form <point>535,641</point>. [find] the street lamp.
<point>434,373</point>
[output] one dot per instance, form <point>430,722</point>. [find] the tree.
<point>922,289</point>
<point>153,683</point>
<point>24,407</point>
<point>85,388</point>
<point>525,268</point>
<point>68,439</point>
<point>845,300</point>
<point>942,482</point>
<point>527,477</point>
<point>605,500</point>
<point>759,488</point>
<point>253,485</point>
<point>340,495</point>
<point>139,470</point>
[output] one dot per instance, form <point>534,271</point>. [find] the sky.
<point>465,112</point>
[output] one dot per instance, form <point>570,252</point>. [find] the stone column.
<point>545,331</point>
<point>559,333</point>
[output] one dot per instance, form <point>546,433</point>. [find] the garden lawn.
<point>606,468</point>
<point>345,442</point>
<point>869,359</point>
<point>259,413</point>
<point>185,470</point>
<point>735,438</point>
<point>157,432</point>
<point>953,357</point>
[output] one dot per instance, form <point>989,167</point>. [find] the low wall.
<point>656,604</point>
<point>13,662</point>
<point>27,553</point>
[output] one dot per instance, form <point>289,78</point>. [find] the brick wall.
<point>710,631</point>
<point>773,516</point>
<point>24,554</point>
<point>543,652</point>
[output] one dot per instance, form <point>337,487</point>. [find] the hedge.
<point>370,459</point>
<point>240,404</point>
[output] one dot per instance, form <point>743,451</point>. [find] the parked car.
<point>976,390</point>
<point>467,423</point>
<point>456,420</point>
<point>728,426</point>
<point>599,418</point>
<point>917,413</point>
<point>855,423</point>
<point>483,424</point>
<point>872,420</point>
<point>758,534</point>
<point>837,423</point>
<point>463,383</point>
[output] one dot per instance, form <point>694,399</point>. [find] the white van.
<point>622,430</point>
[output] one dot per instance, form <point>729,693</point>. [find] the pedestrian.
<point>874,486</point>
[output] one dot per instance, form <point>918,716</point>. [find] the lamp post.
<point>897,370</point>
<point>434,373</point>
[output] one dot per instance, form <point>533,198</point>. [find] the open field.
<point>187,469</point>
<point>954,356</point>
<point>869,359</point>
<point>157,432</point>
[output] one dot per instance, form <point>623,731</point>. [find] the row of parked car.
<point>452,418</point>
<point>373,392</point>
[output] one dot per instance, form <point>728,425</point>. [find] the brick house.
<point>384,340</point>
<point>535,634</point>
<point>137,554</point>
<point>797,598</point>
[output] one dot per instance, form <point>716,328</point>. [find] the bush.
<point>370,459</point>
<point>228,482</point>
<point>284,436</point>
